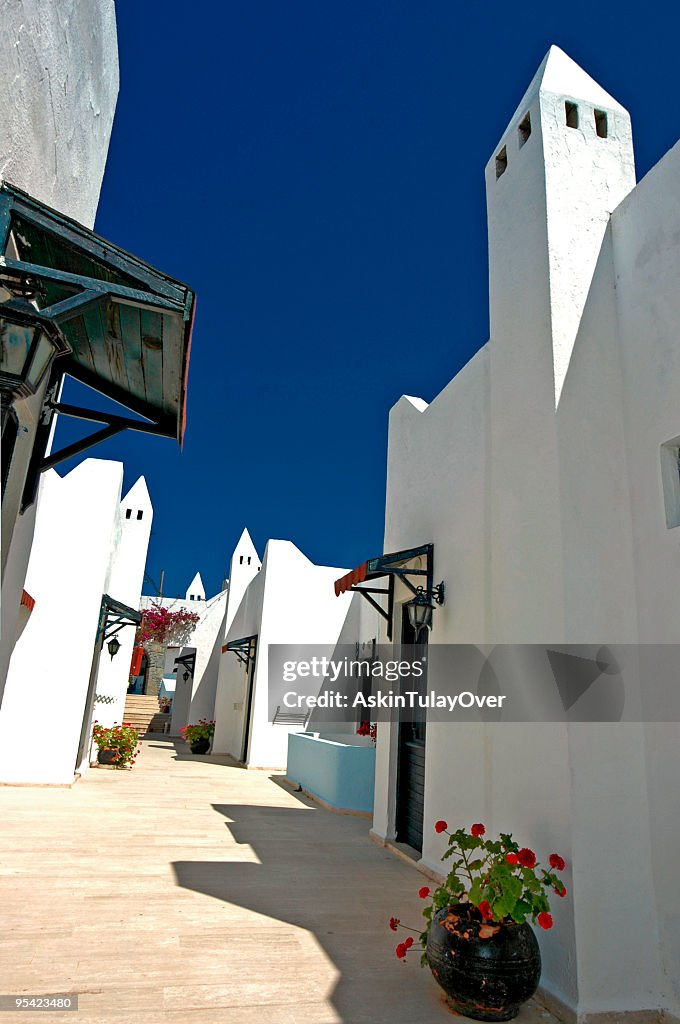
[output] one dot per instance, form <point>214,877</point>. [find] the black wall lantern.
<point>28,344</point>
<point>113,646</point>
<point>421,607</point>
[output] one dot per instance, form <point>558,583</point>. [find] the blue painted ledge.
<point>338,768</point>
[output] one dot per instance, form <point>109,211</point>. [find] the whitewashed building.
<point>288,600</point>
<point>545,475</point>
<point>85,572</point>
<point>115,324</point>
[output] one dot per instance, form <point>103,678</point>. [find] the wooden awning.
<point>128,324</point>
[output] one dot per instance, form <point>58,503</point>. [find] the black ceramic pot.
<point>200,746</point>
<point>106,756</point>
<point>486,970</point>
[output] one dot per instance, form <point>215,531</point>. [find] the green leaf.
<point>475,893</point>
<point>503,907</point>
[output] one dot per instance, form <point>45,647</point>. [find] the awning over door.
<point>390,566</point>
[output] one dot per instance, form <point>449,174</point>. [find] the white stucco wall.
<point>537,475</point>
<point>58,89</point>
<point>44,702</point>
<point>206,640</point>
<point>270,609</point>
<point>129,548</point>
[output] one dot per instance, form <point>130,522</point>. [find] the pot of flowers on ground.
<point>199,737</point>
<point>117,745</point>
<point>165,705</point>
<point>477,939</point>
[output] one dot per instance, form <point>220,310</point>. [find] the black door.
<point>250,681</point>
<point>411,761</point>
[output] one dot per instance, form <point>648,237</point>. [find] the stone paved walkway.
<point>191,890</point>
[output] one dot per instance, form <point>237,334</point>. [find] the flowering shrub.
<point>502,880</point>
<point>366,729</point>
<point>205,730</point>
<point>170,628</point>
<point>121,738</point>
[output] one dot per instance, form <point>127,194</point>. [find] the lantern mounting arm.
<point>418,581</point>
<point>244,649</point>
<point>188,661</point>
<point>113,617</point>
<point>114,425</point>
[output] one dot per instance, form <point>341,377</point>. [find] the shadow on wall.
<point>319,871</point>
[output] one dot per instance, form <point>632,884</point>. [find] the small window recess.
<point>524,129</point>
<point>248,559</point>
<point>571,114</point>
<point>670,479</point>
<point>140,514</point>
<point>501,162</point>
<point>601,127</point>
<point>128,513</point>
<point>240,561</point>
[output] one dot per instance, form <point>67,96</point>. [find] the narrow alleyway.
<point>191,890</point>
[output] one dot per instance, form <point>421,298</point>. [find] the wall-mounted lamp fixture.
<point>28,343</point>
<point>421,607</point>
<point>113,646</point>
<point>185,675</point>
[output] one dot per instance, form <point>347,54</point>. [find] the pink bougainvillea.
<point>166,627</point>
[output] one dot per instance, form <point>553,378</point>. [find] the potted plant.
<point>117,745</point>
<point>164,703</point>
<point>477,940</point>
<point>199,736</point>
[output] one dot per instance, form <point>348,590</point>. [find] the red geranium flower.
<point>440,826</point>
<point>408,942</point>
<point>545,920</point>
<point>424,892</point>
<point>477,830</point>
<point>562,891</point>
<point>394,921</point>
<point>485,910</point>
<point>526,857</point>
<point>401,950</point>
<point>556,862</point>
<point>512,858</point>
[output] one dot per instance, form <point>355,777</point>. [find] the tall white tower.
<point>195,590</point>
<point>562,166</point>
<point>245,565</point>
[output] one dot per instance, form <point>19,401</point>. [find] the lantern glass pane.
<point>41,360</point>
<point>15,342</point>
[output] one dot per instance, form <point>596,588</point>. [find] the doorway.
<point>411,756</point>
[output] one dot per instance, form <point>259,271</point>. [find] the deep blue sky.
<point>315,172</point>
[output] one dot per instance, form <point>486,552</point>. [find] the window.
<point>140,513</point>
<point>501,163</point>
<point>524,129</point>
<point>128,513</point>
<point>571,114</point>
<point>601,123</point>
<point>240,561</point>
<point>248,559</point>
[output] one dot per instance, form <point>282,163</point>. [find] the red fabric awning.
<point>27,601</point>
<point>357,575</point>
